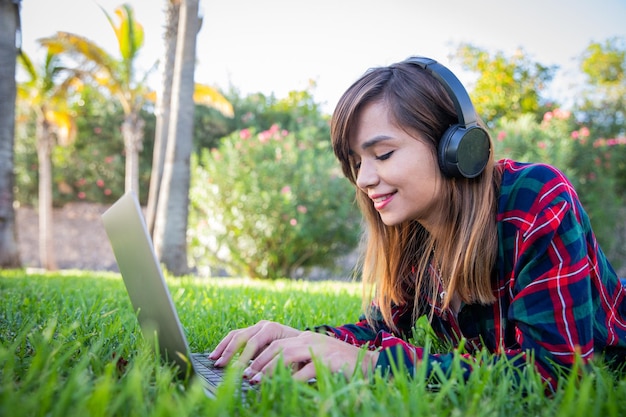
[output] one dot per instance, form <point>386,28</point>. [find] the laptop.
<point>141,271</point>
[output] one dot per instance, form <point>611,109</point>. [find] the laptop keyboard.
<point>205,368</point>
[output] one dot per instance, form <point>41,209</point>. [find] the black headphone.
<point>465,147</point>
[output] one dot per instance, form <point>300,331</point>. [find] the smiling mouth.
<point>381,201</point>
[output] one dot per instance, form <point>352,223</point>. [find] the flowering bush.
<point>592,164</point>
<point>270,204</point>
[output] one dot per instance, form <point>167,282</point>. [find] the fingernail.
<point>219,362</point>
<point>256,379</point>
<point>248,373</point>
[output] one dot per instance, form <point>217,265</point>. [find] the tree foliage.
<point>506,86</point>
<point>602,104</point>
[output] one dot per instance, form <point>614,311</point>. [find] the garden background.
<point>259,173</point>
<point>268,206</point>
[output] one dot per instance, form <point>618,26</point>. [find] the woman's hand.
<point>298,352</point>
<point>254,338</point>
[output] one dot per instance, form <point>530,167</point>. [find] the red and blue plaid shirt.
<point>557,295</point>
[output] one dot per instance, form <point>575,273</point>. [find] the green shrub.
<point>270,205</point>
<point>589,162</point>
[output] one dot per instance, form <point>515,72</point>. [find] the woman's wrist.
<point>369,362</point>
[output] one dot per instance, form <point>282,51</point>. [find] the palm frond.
<point>128,31</point>
<point>211,97</point>
<point>81,49</point>
<point>63,124</point>
<point>27,64</point>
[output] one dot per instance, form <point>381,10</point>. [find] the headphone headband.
<point>462,102</point>
<point>464,148</point>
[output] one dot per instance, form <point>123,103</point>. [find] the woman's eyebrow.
<point>375,140</point>
<point>372,142</point>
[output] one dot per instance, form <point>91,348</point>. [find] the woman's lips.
<point>381,200</point>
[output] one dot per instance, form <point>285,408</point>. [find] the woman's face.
<point>397,171</point>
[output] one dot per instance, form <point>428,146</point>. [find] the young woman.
<point>499,255</point>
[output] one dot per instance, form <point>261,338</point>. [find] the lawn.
<point>70,346</point>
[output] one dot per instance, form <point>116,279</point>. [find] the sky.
<point>275,46</point>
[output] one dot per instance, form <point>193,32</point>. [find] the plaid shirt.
<point>557,295</point>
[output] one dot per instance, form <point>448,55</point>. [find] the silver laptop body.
<point>137,261</point>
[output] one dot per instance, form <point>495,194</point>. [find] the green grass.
<point>65,337</point>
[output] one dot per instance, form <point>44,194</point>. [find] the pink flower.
<point>302,209</point>
<point>575,134</point>
<point>584,131</point>
<point>616,141</point>
<point>265,136</point>
<point>561,114</point>
<point>82,195</point>
<point>108,159</point>
<point>542,145</point>
<point>285,190</point>
<point>107,191</point>
<point>548,116</point>
<point>245,134</point>
<point>273,129</point>
<point>293,222</point>
<point>100,183</point>
<point>501,135</point>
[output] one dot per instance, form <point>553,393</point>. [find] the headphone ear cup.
<point>463,151</point>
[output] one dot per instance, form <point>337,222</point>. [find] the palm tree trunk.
<point>47,258</point>
<point>173,205</point>
<point>132,132</point>
<point>9,25</point>
<point>162,110</point>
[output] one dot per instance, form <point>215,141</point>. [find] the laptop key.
<point>206,368</point>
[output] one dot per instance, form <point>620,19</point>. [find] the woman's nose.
<point>367,176</point>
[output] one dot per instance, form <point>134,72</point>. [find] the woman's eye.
<point>384,156</point>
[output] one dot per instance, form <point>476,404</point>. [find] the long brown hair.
<point>397,260</point>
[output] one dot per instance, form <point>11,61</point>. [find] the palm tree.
<point>118,77</point>
<point>203,95</point>
<point>162,108</point>
<point>9,27</point>
<point>45,94</point>
<point>170,229</point>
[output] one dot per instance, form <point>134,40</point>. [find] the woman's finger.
<point>233,342</point>
<point>289,351</point>
<point>253,339</point>
<point>306,372</point>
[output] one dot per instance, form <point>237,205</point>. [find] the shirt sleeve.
<point>396,353</point>
<point>365,332</point>
<point>552,304</point>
